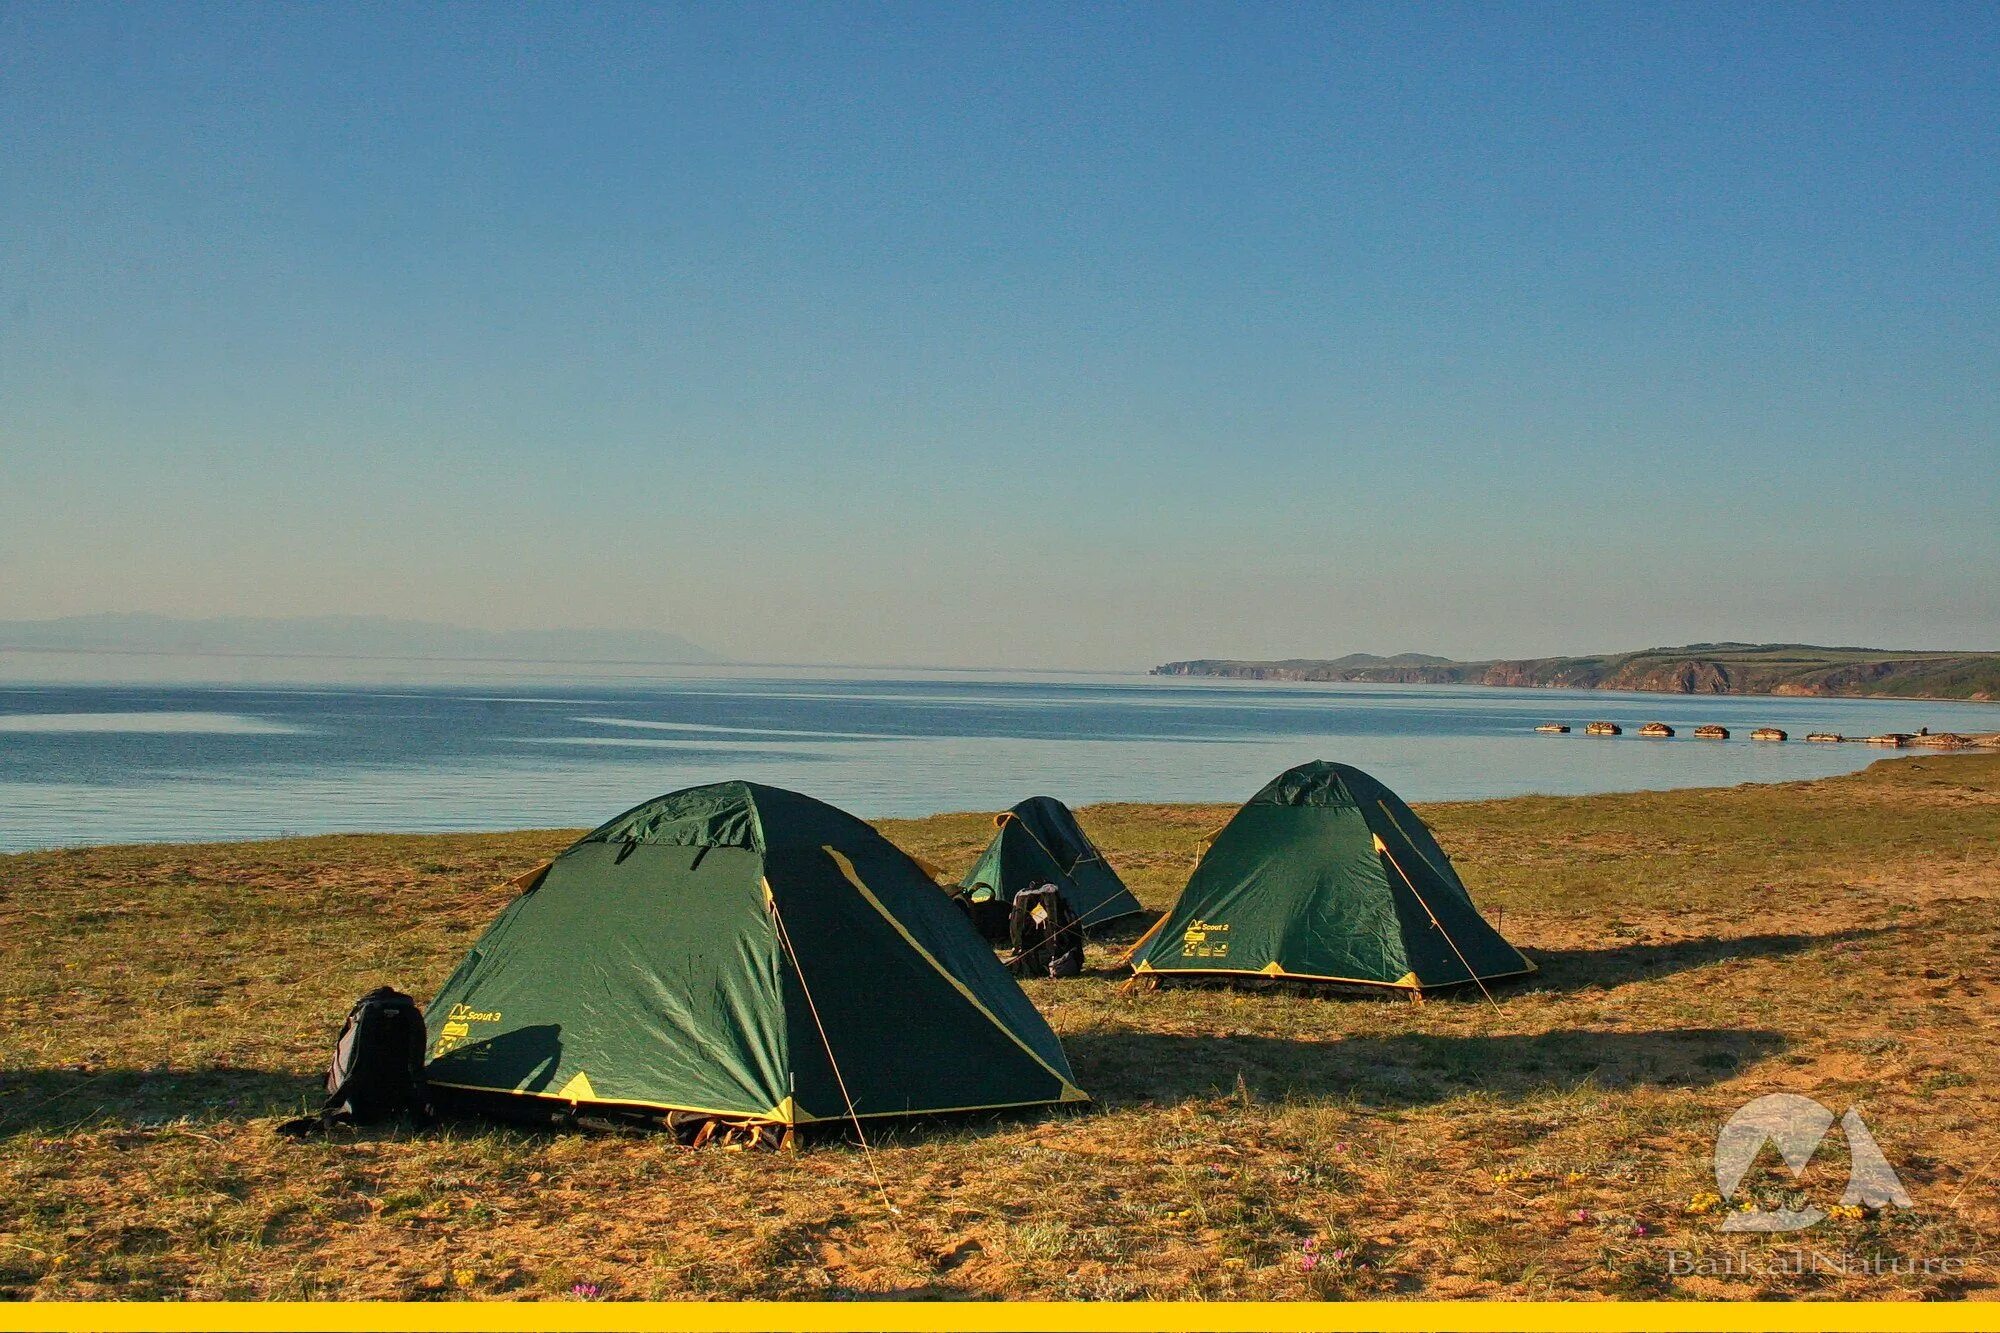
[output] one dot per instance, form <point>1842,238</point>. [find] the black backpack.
<point>986,911</point>
<point>1042,930</point>
<point>377,1070</point>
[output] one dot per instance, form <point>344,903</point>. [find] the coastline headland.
<point>1700,668</point>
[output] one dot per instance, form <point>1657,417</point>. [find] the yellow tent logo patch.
<point>458,1026</point>
<point>1200,940</point>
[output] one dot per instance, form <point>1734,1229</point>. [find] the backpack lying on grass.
<point>1043,933</point>
<point>377,1070</point>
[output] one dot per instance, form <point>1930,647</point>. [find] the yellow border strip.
<point>1070,1092</point>
<point>991,1317</point>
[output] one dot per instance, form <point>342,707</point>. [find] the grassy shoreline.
<point>162,1006</point>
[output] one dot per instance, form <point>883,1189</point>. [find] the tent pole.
<point>1390,856</point>
<point>785,938</point>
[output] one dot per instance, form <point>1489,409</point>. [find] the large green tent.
<point>742,952</point>
<point>1039,841</point>
<point>1325,875</point>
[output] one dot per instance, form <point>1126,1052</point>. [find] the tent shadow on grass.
<point>1125,930</point>
<point>51,1100</point>
<point>1123,1068</point>
<point>1602,969</point>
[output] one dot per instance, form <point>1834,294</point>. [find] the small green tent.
<point>1325,875</point>
<point>743,952</point>
<point>1040,842</point>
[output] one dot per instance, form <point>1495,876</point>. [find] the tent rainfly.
<point>1325,875</point>
<point>745,953</point>
<point>1039,841</point>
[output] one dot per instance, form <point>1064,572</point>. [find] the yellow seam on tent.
<point>1266,972</point>
<point>1425,858</point>
<point>578,1088</point>
<point>1069,875</point>
<point>1035,838</point>
<point>527,881</point>
<point>847,869</point>
<point>1140,943</point>
<point>1273,969</point>
<point>1069,1094</point>
<point>1404,983</point>
<point>1382,849</point>
<point>786,1112</point>
<point>1404,833</point>
<point>606,1101</point>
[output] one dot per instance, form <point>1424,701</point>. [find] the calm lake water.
<point>106,763</point>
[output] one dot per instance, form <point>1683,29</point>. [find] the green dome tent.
<point>746,953</point>
<point>1325,875</point>
<point>1039,841</point>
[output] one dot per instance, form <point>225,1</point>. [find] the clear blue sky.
<point>1010,334</point>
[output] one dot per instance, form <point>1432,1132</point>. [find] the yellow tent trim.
<point>1140,943</point>
<point>847,870</point>
<point>532,878</point>
<point>1397,824</point>
<point>1405,983</point>
<point>1069,1094</point>
<point>786,1112</point>
<point>736,1112</point>
<point>578,1089</point>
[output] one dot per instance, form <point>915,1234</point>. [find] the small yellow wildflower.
<point>1575,1178</point>
<point>463,1278</point>
<point>1847,1212</point>
<point>1704,1203</point>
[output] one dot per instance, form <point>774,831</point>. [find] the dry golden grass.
<point>162,1007</point>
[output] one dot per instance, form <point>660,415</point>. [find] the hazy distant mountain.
<point>1698,668</point>
<point>366,637</point>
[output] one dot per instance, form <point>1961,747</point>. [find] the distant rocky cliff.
<point>1709,668</point>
